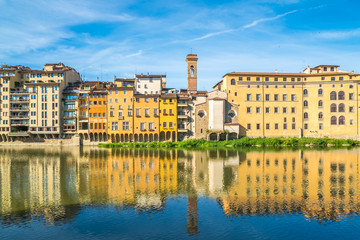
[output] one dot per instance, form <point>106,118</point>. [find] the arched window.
<point>341,95</point>
<point>341,120</point>
<point>333,95</point>
<point>306,103</point>
<point>333,120</point>
<point>320,103</point>
<point>232,81</point>
<point>321,115</point>
<point>341,107</point>
<point>232,113</point>
<point>333,107</point>
<point>192,71</point>
<point>201,113</point>
<point>305,92</point>
<point>320,91</point>
<point>306,115</point>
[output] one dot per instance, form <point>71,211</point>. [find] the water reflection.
<point>54,184</point>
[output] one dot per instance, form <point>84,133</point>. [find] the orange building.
<point>97,115</point>
<point>146,118</point>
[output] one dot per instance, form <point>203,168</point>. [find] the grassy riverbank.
<point>242,142</point>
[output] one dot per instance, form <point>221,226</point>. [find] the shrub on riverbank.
<point>242,142</point>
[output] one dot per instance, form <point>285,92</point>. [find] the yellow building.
<point>321,101</point>
<point>168,117</point>
<point>120,114</point>
<point>97,114</point>
<point>146,117</point>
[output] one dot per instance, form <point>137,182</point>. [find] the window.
<point>320,103</point>
<point>305,92</point>
<point>333,95</point>
<point>151,125</point>
<point>284,110</point>
<point>284,97</point>
<point>321,126</point>
<point>248,126</point>
<point>258,97</point>
<point>332,78</point>
<point>276,126</point>
<point>321,115</point>
<point>322,78</point>
<point>266,79</point>
<point>276,97</point>
<point>351,122</point>
<point>341,120</point>
<point>320,92</point>
<point>341,78</point>
<point>257,78</point>
<point>137,112</point>
<point>306,104</point>
<point>275,79</point>
<point>125,125</point>
<point>306,115</point>
<point>305,126</point>
<point>351,96</point>
<point>248,78</point>
<point>267,97</point>
<point>293,79</point>
<point>258,126</point>
<point>276,110</point>
<point>293,97</point>
<point>114,126</point>
<point>293,110</point>
<point>267,126</point>
<point>248,97</point>
<point>257,109</point>
<point>333,107</point>
<point>156,112</point>
<point>248,109</point>
<point>341,95</point>
<point>142,126</point>
<point>341,107</point>
<point>293,126</point>
<point>351,109</point>
<point>267,110</point>
<point>284,79</point>
<point>147,112</point>
<point>240,79</point>
<point>232,81</point>
<point>333,120</point>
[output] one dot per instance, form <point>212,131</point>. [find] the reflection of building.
<point>319,184</point>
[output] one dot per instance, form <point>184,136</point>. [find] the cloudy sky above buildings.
<point>106,38</point>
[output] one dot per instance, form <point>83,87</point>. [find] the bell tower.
<point>191,60</point>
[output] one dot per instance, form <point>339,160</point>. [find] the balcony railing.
<point>19,108</point>
<point>83,105</point>
<point>19,117</point>
<point>20,100</point>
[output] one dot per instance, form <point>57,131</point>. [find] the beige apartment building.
<point>32,106</point>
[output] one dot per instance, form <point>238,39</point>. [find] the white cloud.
<point>339,35</point>
<point>256,22</point>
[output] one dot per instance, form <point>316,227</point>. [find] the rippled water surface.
<point>92,193</point>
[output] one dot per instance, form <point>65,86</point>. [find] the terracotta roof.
<point>217,98</point>
<point>91,83</point>
<point>285,74</point>
<point>148,76</point>
<point>120,88</point>
<point>146,95</point>
<point>124,79</point>
<point>168,95</point>
<point>326,66</point>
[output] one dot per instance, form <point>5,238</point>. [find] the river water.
<point>93,193</point>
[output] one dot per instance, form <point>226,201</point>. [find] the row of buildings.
<point>54,103</point>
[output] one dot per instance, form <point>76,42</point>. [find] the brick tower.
<point>191,60</point>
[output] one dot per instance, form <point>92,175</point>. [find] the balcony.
<point>69,109</point>
<point>19,109</point>
<point>19,117</point>
<point>83,105</point>
<point>20,92</point>
<point>82,96</point>
<point>182,116</point>
<point>182,104</point>
<point>83,116</point>
<point>182,130</point>
<point>19,134</point>
<point>70,117</point>
<point>19,123</point>
<point>23,100</point>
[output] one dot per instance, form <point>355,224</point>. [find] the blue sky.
<point>107,38</point>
